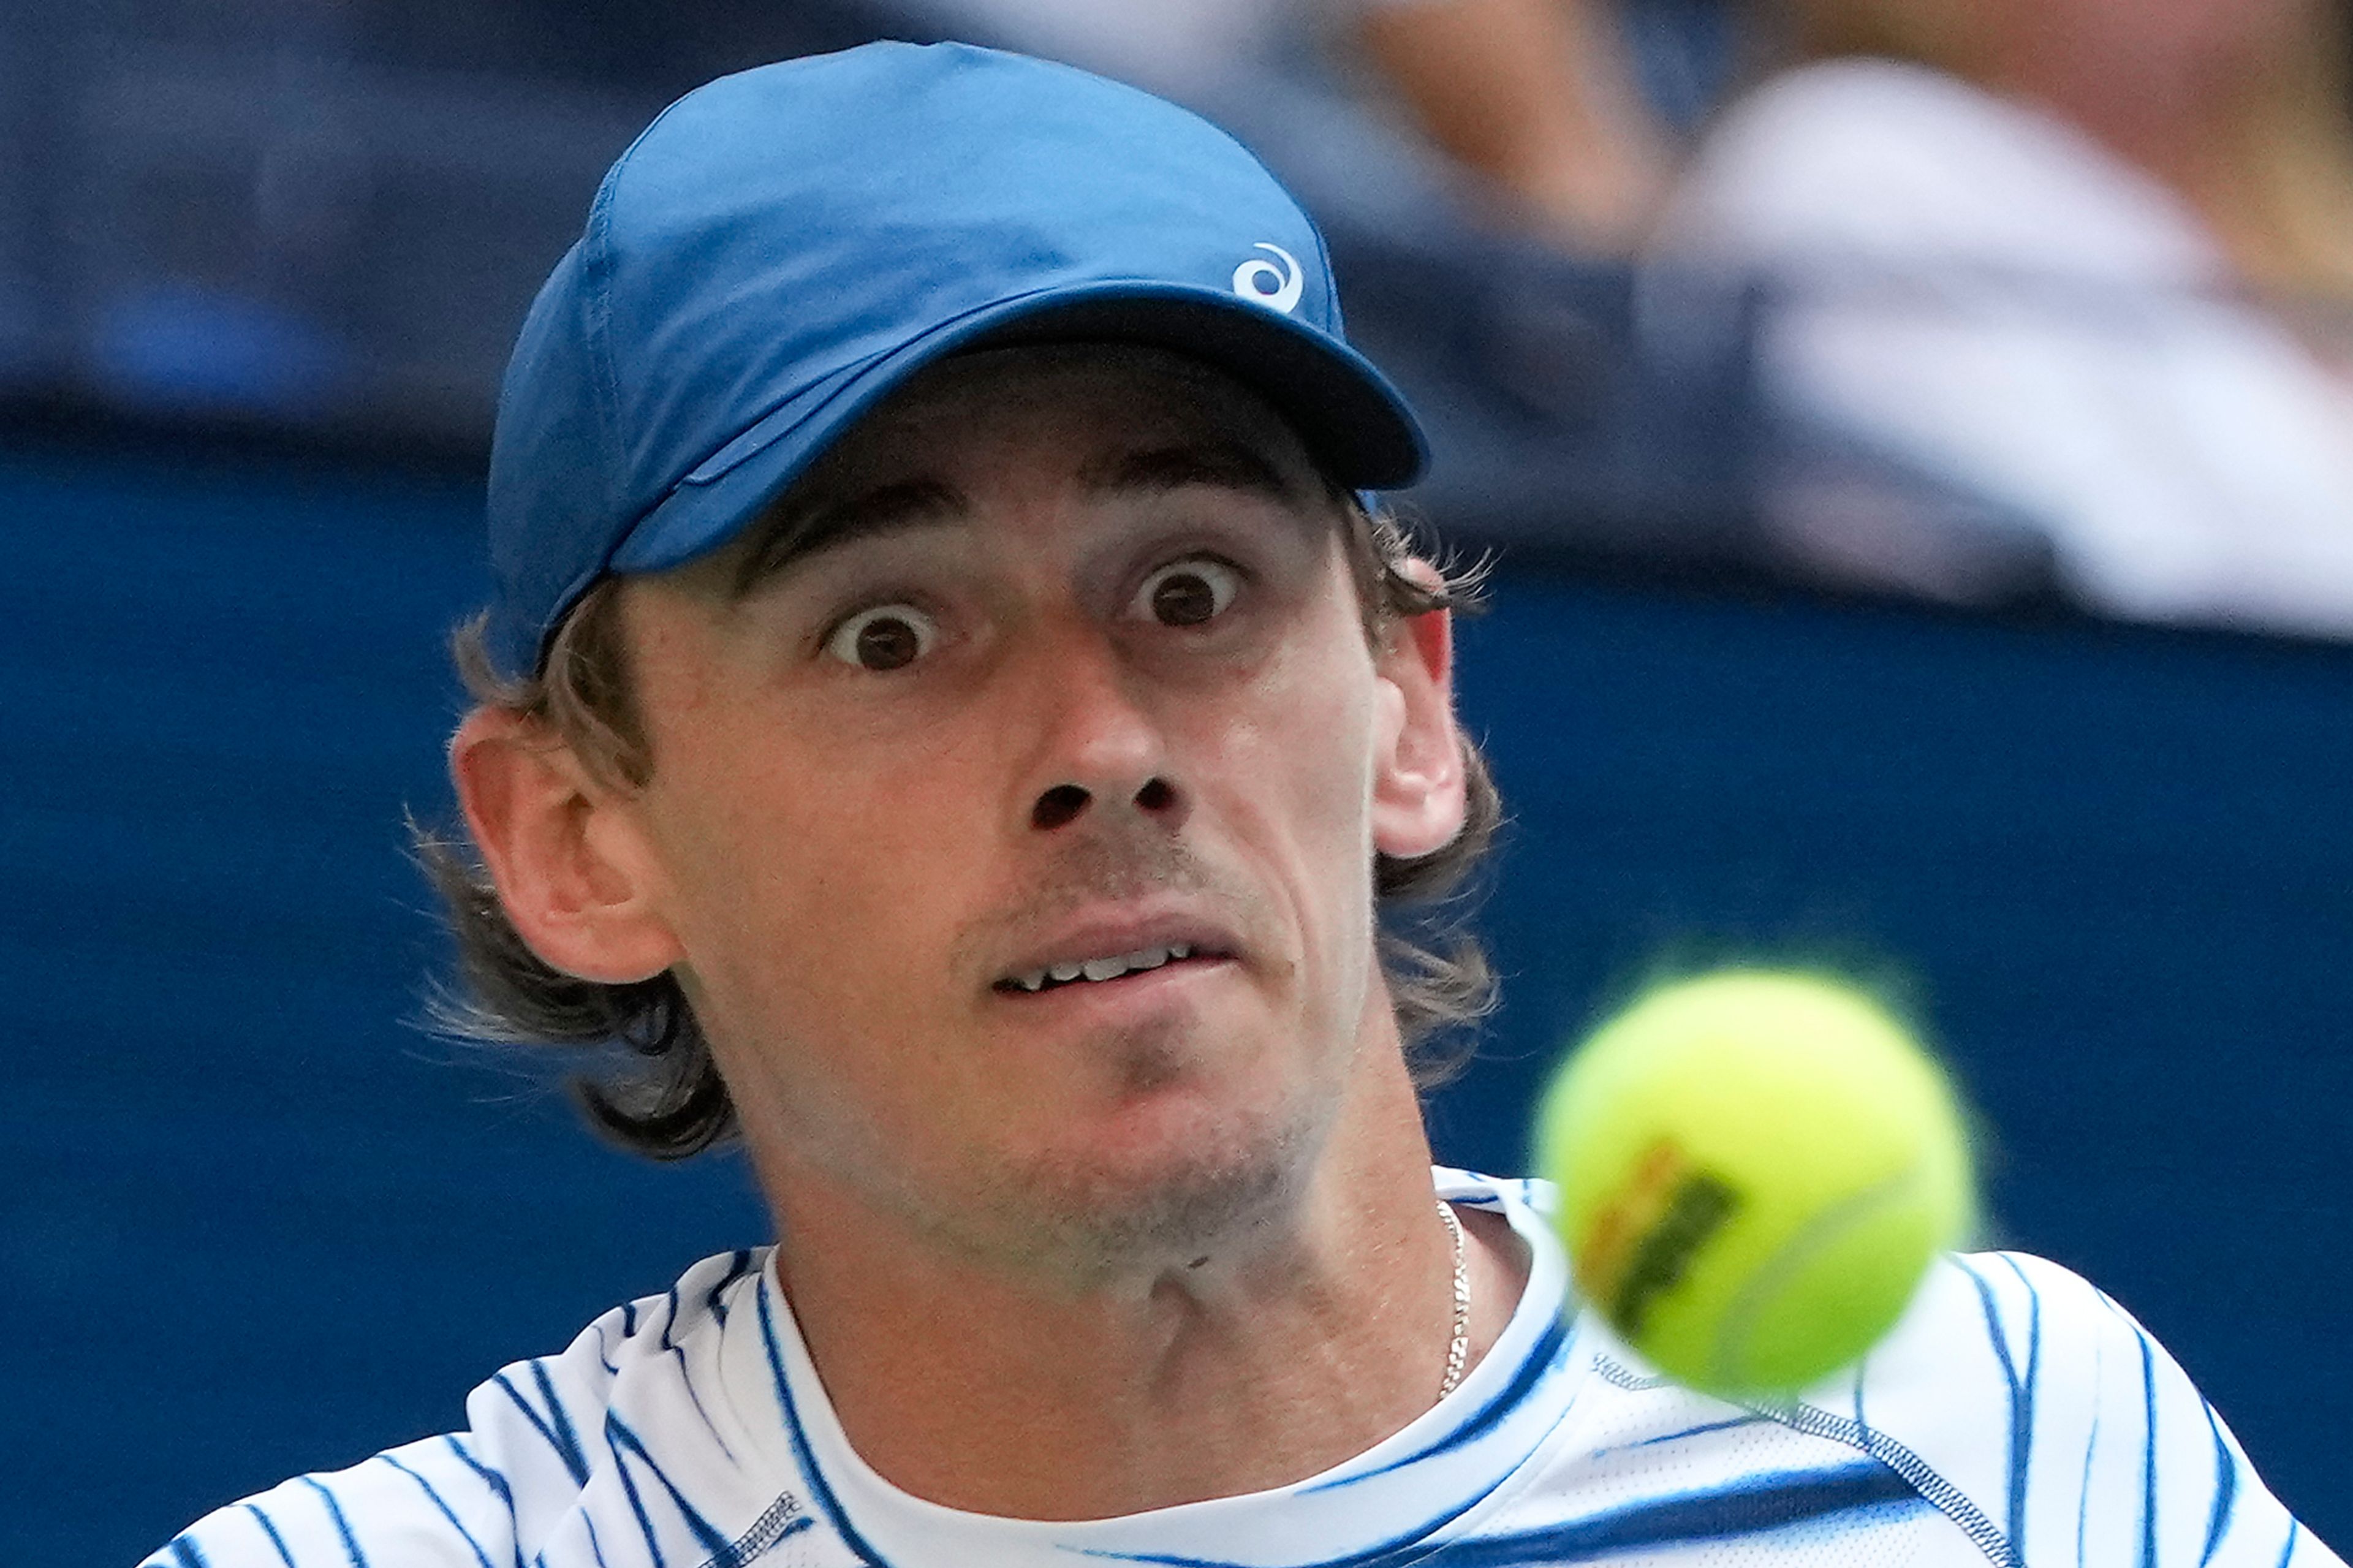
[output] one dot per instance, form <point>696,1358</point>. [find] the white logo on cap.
<point>1264,283</point>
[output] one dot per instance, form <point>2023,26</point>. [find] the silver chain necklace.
<point>1458,1351</point>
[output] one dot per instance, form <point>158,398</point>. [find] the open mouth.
<point>1098,971</point>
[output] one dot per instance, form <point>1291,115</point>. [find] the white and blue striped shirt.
<point>2016,1416</point>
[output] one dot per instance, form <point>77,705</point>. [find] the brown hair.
<point>651,1084</point>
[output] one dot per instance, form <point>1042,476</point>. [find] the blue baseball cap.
<point>783,247</point>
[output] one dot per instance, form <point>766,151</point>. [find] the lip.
<point>1107,934</point>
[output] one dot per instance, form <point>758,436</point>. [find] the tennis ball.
<point>1755,1169</point>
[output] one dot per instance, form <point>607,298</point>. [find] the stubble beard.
<point>1090,1223</point>
<point>1089,1216</point>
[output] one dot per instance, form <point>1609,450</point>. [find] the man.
<point>949,713</point>
<point>2090,263</point>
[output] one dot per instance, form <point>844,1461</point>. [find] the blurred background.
<point>1918,437</point>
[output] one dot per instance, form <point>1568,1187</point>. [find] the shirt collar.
<point>1410,1485</point>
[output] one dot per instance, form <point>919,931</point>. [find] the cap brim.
<point>1357,427</point>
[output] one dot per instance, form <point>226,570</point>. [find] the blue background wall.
<point>251,1222</point>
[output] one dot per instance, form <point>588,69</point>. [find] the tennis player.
<point>948,710</point>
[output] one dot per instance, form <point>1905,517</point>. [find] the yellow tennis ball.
<point>1755,1169</point>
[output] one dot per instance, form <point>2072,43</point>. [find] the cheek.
<point>802,894</point>
<point>1298,778</point>
<point>817,934</point>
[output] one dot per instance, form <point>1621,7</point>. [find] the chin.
<point>1169,1179</point>
<point>1174,1135</point>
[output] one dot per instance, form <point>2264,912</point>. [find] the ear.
<point>570,860</point>
<point>1417,772</point>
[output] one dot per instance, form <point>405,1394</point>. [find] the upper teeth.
<point>1105,968</point>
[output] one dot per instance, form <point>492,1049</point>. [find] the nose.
<point>1104,752</point>
<point>1066,803</point>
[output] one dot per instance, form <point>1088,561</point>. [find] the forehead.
<point>1110,417</point>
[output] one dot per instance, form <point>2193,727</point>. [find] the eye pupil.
<point>1184,599</point>
<point>887,644</point>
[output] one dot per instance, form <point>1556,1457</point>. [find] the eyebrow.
<point>796,532</point>
<point>828,522</point>
<point>1227,465</point>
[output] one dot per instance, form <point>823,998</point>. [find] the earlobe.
<point>1420,784</point>
<point>573,871</point>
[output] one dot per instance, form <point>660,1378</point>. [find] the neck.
<point>1315,1331</point>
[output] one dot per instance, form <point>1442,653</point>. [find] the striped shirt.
<point>2015,1417</point>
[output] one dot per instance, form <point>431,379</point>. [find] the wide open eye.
<point>886,637</point>
<point>1188,593</point>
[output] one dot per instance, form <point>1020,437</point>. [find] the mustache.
<point>1087,872</point>
<point>1093,869</point>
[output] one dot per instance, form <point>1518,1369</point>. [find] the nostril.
<point>1155,796</point>
<point>1058,805</point>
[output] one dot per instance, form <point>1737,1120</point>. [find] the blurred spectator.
<point>2092,260</point>
<point>1536,98</point>
<point>1535,94</point>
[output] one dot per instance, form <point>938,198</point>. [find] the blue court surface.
<point>253,1221</point>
